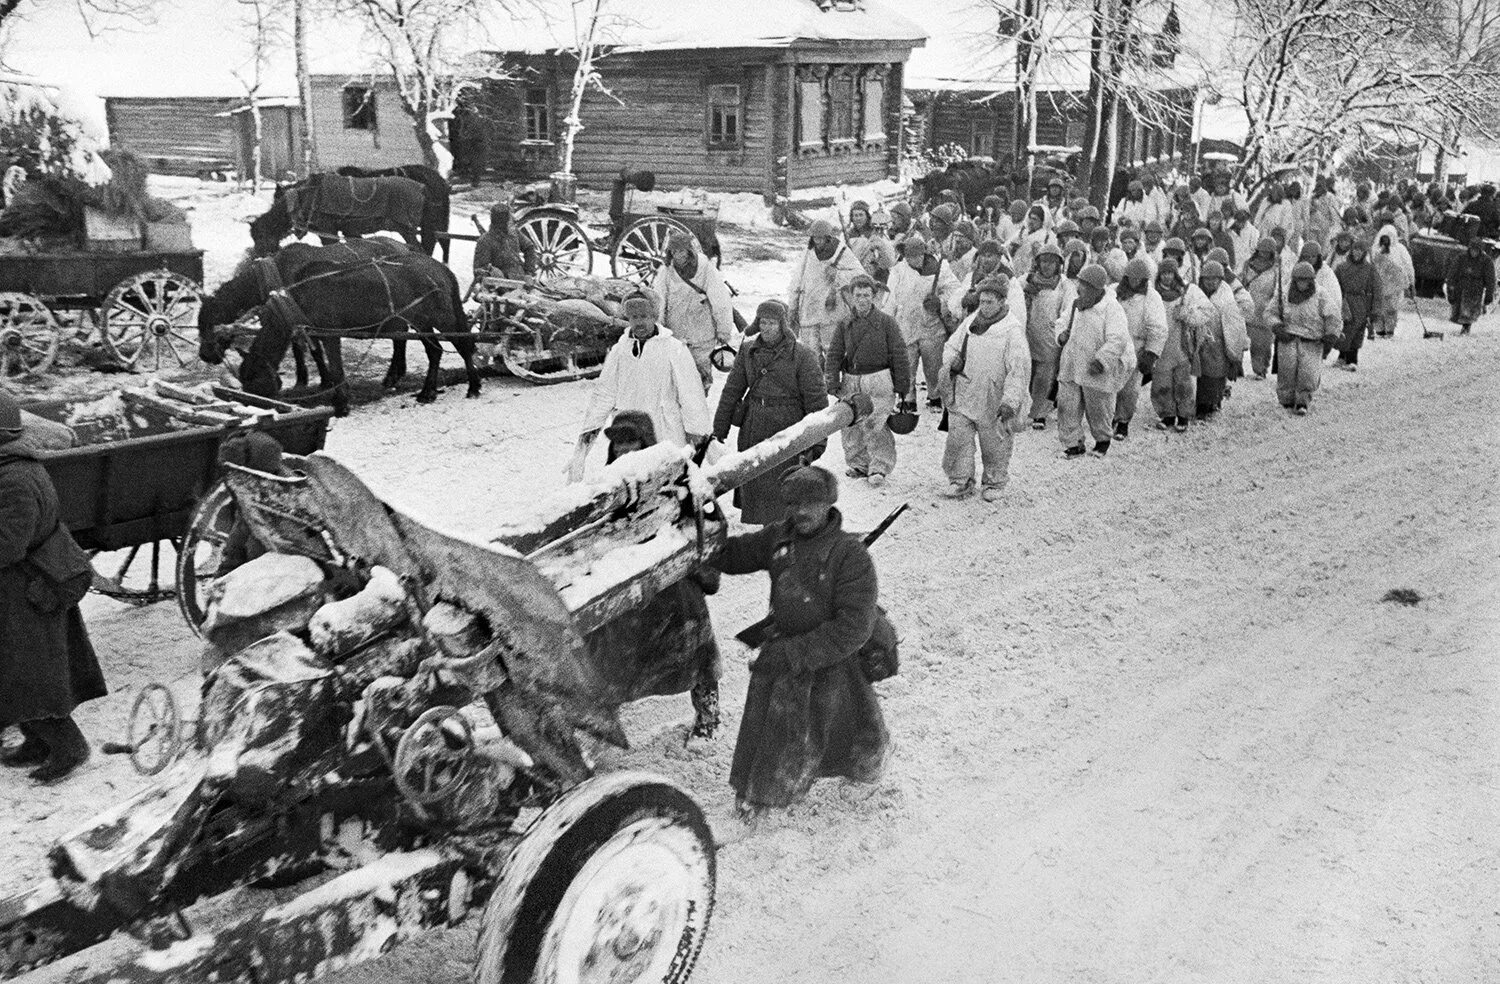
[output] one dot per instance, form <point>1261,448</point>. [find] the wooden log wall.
<point>176,135</point>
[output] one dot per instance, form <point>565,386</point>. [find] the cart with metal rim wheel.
<point>140,492</point>
<point>144,304</point>
<point>640,242</point>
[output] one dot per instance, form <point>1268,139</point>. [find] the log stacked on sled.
<point>553,332</point>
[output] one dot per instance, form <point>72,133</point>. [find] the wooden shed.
<point>175,134</point>
<point>357,119</point>
<point>765,98</point>
<point>280,138</point>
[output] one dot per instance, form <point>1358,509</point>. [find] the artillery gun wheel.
<point>202,553</point>
<point>434,756</point>
<point>562,246</point>
<point>154,733</point>
<point>29,336</point>
<point>643,247</point>
<point>613,882</point>
<point>149,322</point>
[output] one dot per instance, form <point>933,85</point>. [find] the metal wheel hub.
<point>158,326</point>
<point>629,909</point>
<point>10,338</point>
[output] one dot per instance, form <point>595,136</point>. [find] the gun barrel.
<point>739,467</point>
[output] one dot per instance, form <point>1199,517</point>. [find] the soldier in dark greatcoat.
<point>810,712</point>
<point>47,665</point>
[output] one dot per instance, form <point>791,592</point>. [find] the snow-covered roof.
<point>966,53</point>
<point>664,25</point>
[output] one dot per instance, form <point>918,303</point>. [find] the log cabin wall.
<point>348,135</point>
<point>983,124</point>
<point>724,120</point>
<point>845,114</point>
<point>175,135</point>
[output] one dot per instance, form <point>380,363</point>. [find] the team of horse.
<point>310,296</point>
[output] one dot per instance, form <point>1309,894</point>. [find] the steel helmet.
<point>903,420</point>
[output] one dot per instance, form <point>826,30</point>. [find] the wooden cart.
<point>145,473</point>
<point>144,305</point>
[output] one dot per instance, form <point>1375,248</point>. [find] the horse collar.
<point>268,275</point>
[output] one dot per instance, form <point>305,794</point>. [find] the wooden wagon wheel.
<point>150,321</point>
<point>642,247</point>
<point>201,553</point>
<point>136,579</point>
<point>29,336</point>
<point>563,248</point>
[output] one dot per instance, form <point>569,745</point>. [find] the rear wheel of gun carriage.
<point>614,883</point>
<point>149,321</point>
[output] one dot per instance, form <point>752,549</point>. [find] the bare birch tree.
<point>431,49</point>
<point>595,29</point>
<point>1317,76</point>
<point>262,19</point>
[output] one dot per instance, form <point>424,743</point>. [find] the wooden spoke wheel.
<point>136,577</point>
<point>29,336</point>
<point>563,248</point>
<point>155,730</point>
<point>642,247</point>
<point>201,555</point>
<point>150,321</point>
<point>434,756</point>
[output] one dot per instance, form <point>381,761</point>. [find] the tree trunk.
<point>573,123</point>
<point>430,138</point>
<point>304,88</point>
<point>1094,129</point>
<point>257,136</point>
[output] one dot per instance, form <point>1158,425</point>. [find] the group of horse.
<point>348,285</point>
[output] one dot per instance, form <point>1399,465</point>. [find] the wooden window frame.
<point>986,129</point>
<point>710,104</point>
<point>545,106</point>
<point>873,76</point>
<point>809,88</point>
<point>367,107</point>
<point>853,109</point>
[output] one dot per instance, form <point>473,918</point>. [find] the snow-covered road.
<point>1154,721</point>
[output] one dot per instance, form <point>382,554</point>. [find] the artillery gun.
<point>402,748</point>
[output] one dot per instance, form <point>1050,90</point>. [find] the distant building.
<point>766,97</point>
<point>190,135</point>
<point>359,119</point>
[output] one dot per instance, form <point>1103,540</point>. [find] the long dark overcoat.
<point>785,384</point>
<point>47,665</point>
<point>810,712</point>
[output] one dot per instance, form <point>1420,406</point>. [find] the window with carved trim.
<point>809,114</point>
<point>874,118</point>
<point>725,127</point>
<point>841,109</point>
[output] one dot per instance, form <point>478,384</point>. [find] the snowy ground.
<point>1154,721</point>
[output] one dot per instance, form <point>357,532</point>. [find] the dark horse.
<point>363,285</point>
<point>435,206</point>
<point>331,205</point>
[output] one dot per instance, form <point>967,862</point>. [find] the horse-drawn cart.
<point>144,304</point>
<point>145,472</point>
<point>635,236</point>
